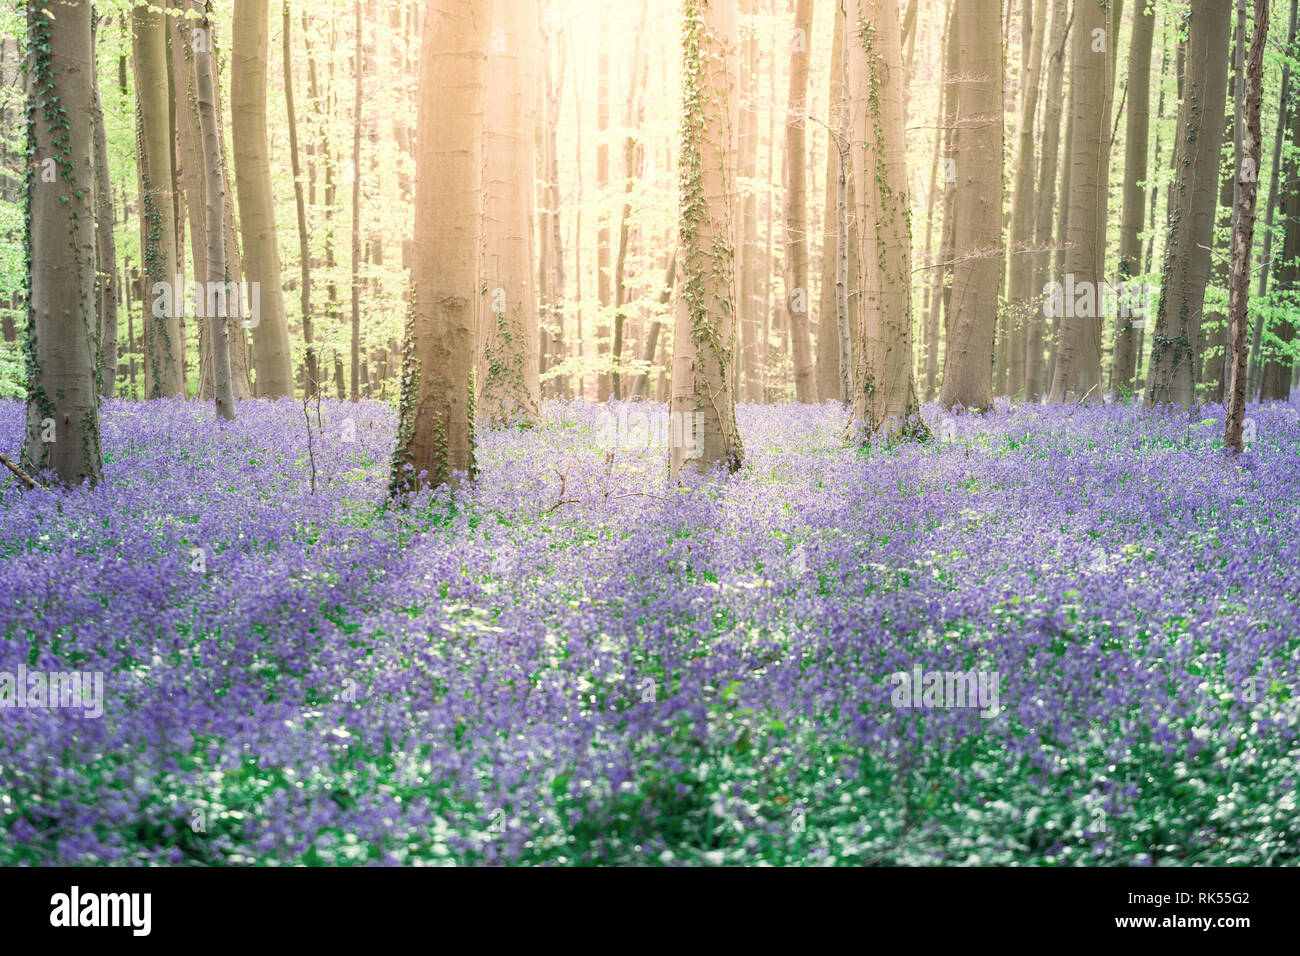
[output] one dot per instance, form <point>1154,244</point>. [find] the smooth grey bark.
<point>1195,194</point>
<point>1243,232</point>
<point>164,355</point>
<point>105,256</point>
<point>62,433</point>
<point>249,44</point>
<point>1077,371</point>
<point>1136,137</point>
<point>214,183</point>
<point>703,401</point>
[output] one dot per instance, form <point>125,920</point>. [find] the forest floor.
<point>574,662</point>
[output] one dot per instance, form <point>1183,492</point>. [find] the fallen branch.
<point>21,475</point>
<point>608,496</point>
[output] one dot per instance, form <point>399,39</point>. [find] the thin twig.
<point>564,477</point>
<point>311,454</point>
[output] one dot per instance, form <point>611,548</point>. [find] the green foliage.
<point>12,382</point>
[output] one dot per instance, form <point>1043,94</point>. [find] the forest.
<point>658,432</point>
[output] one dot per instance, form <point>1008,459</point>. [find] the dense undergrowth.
<point>575,662</point>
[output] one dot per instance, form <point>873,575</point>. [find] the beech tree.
<point>1020,292</point>
<point>1212,348</point>
<point>164,346</point>
<point>829,381</point>
<point>214,182</point>
<point>509,392</point>
<point>187,43</point>
<point>883,398</point>
<point>358,84</point>
<point>105,252</point>
<point>1057,48</point>
<point>62,433</point>
<point>634,117</point>
<point>1136,138</point>
<point>1191,217</point>
<point>1277,367</point>
<point>249,48</point>
<point>572,288</point>
<point>1243,232</point>
<point>977,214</point>
<point>796,207</point>
<point>311,369</point>
<point>550,260</point>
<point>748,252</point>
<point>703,430</point>
<point>931,296</point>
<point>945,158</point>
<point>1077,374</point>
<point>604,287</point>
<point>435,432</point>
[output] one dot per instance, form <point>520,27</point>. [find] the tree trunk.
<point>749,330</point>
<point>1057,40</point>
<point>178,193</point>
<point>1062,229</point>
<point>580,345</point>
<point>62,432</point>
<point>656,324</point>
<point>11,157</point>
<point>847,238</point>
<point>130,337</point>
<point>1020,274</point>
<point>509,393</point>
<point>323,110</point>
<point>909,40</point>
<point>271,351</point>
<point>241,357</point>
<point>164,356</point>
<point>190,140</point>
<point>1243,232</point>
<point>883,397</point>
<point>105,255</point>
<point>1077,373</point>
<point>1214,343</point>
<point>977,234</point>
<point>300,205</point>
<point>703,429</point>
<point>796,207</point>
<point>435,435</point>
<point>187,160</point>
<point>1148,266</point>
<point>770,319</point>
<point>1279,137</point>
<point>354,380</point>
<point>405,17</point>
<point>214,182</point>
<point>934,268</point>
<point>545,260</point>
<point>1276,367</point>
<point>829,386</point>
<point>1123,373</point>
<point>187,177</point>
<point>951,78</point>
<point>552,87</point>
<point>634,120</point>
<point>604,287</point>
<point>1191,221</point>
